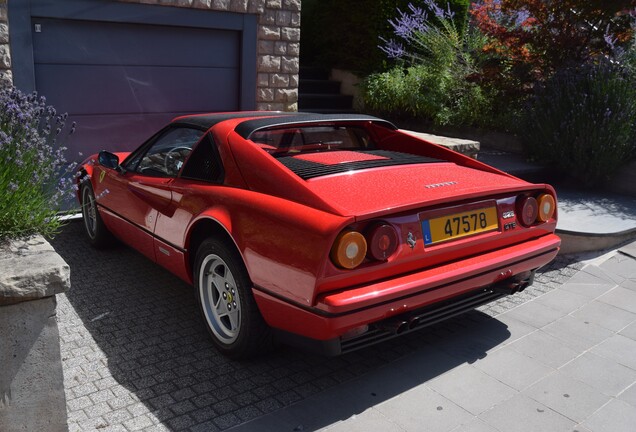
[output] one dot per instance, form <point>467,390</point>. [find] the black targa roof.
<point>206,121</point>
<point>272,119</point>
<point>248,127</point>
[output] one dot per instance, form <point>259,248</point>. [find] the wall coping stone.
<point>466,147</point>
<point>31,269</point>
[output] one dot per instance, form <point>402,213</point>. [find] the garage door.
<point>122,81</point>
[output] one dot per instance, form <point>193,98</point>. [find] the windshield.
<point>311,139</point>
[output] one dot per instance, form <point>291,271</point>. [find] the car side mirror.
<point>109,160</point>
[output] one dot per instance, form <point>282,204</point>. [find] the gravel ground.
<point>136,356</point>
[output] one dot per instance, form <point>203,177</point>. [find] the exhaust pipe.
<point>413,322</point>
<point>394,327</point>
<point>513,285</point>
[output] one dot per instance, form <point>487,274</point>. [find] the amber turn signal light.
<point>349,249</point>
<point>547,206</point>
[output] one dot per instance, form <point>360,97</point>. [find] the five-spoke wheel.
<point>224,292</point>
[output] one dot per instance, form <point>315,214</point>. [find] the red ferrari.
<point>328,231</point>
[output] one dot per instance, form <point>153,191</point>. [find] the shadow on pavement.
<point>146,323</point>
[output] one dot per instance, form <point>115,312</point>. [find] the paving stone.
<point>117,417</point>
<point>576,333</point>
<point>562,300</point>
<point>513,368</point>
<point>620,265</point>
<point>629,396</point>
<point>535,314</point>
<point>591,275</point>
<point>423,406</point>
<point>138,423</point>
<point>616,416</point>
<point>603,374</point>
<point>605,315</point>
<point>226,421</point>
<point>78,403</point>
<point>182,407</point>
<point>622,298</point>
<point>514,329</point>
<point>475,425</point>
<point>369,420</point>
<point>618,348</point>
<point>567,396</point>
<point>629,284</point>
<point>589,290</point>
<point>208,426</point>
<point>545,348</point>
<point>529,416</point>
<point>471,389</point>
<point>97,409</point>
<point>629,331</point>
<point>157,428</point>
<point>102,396</point>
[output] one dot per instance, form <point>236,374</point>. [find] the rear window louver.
<point>308,170</point>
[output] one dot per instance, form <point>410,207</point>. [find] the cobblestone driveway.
<point>136,355</point>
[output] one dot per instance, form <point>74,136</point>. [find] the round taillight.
<point>547,206</point>
<point>528,208</point>
<point>349,249</point>
<point>382,241</point>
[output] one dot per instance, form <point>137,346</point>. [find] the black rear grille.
<point>423,318</point>
<point>307,170</point>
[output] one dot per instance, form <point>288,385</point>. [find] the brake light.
<point>349,249</point>
<point>382,241</point>
<point>528,209</point>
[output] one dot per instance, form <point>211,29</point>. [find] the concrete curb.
<point>577,242</point>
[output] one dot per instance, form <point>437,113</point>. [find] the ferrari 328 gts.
<point>331,232</point>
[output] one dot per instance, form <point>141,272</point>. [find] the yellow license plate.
<point>459,225</point>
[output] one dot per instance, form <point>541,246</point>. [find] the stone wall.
<point>278,45</point>
<point>31,382</point>
<point>5,53</point>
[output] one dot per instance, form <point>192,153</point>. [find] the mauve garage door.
<point>121,82</point>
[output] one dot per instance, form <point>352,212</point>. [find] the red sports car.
<point>329,231</point>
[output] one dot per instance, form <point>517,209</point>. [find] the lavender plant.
<point>583,121</point>
<point>34,178</point>
<point>436,61</point>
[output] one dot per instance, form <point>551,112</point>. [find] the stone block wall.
<point>5,53</point>
<point>31,382</point>
<point>278,45</point>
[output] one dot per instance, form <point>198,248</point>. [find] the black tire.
<point>97,233</point>
<point>235,323</point>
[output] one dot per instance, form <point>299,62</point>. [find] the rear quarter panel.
<point>284,245</point>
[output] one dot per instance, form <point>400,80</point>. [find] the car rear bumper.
<point>408,302</point>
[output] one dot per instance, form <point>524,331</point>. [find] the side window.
<point>166,156</point>
<point>205,163</point>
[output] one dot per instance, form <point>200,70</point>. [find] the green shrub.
<point>32,178</point>
<point>434,82</point>
<point>584,122</point>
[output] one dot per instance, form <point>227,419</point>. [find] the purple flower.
<point>521,17</point>
<point>434,7</point>
<point>392,48</point>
